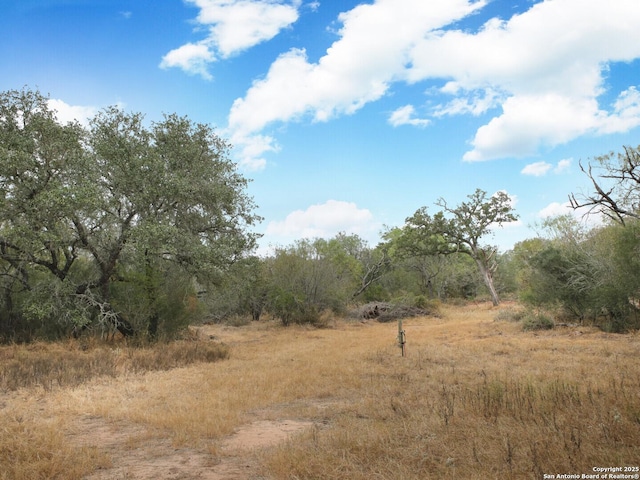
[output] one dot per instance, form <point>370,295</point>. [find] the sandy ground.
<point>137,454</point>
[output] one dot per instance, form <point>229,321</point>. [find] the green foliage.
<point>241,293</point>
<point>119,197</point>
<point>506,275</point>
<point>594,275</point>
<point>426,236</point>
<point>304,281</point>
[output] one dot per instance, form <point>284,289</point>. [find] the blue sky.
<point>349,116</point>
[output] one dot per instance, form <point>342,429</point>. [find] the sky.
<point>349,116</point>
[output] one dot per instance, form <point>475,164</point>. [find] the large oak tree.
<point>117,196</point>
<point>461,228</point>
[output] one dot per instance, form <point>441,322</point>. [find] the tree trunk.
<point>152,298</point>
<point>487,277</point>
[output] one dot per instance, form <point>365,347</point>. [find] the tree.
<point>313,275</point>
<point>418,247</point>
<point>618,197</point>
<point>121,195</point>
<point>302,282</point>
<point>243,292</point>
<point>41,186</point>
<point>591,275</point>
<point>357,265</point>
<point>463,229</point>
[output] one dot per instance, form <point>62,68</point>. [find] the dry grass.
<point>50,365</point>
<point>473,398</point>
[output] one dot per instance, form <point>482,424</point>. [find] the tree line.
<point>144,228</point>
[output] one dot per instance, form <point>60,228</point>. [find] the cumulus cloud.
<point>192,58</point>
<point>544,69</point>
<point>589,218</point>
<point>563,165</point>
<point>251,150</point>
<point>66,113</point>
<point>626,113</point>
<point>338,84</point>
<point>473,104</point>
<point>555,209</point>
<point>531,121</point>
<point>548,64</point>
<point>324,221</point>
<point>537,169</point>
<point>405,116</point>
<point>233,26</point>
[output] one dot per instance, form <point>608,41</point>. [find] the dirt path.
<point>139,453</point>
<point>142,455</point>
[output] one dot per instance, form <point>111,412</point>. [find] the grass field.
<point>474,398</point>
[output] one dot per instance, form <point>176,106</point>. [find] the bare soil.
<point>139,453</point>
<point>142,455</point>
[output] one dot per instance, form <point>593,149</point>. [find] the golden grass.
<point>479,399</point>
<point>33,450</point>
<point>473,398</point>
<point>57,364</point>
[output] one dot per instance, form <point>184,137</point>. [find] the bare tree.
<point>617,189</point>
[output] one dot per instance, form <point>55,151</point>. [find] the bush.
<point>537,321</point>
<point>510,315</point>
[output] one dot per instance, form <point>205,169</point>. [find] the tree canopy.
<point>87,206</point>
<point>460,229</point>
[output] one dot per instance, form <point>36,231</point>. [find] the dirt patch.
<point>139,454</point>
<point>262,434</point>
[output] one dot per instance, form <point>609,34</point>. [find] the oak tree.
<point>90,206</point>
<point>461,228</point>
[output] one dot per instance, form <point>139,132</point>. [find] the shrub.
<point>510,315</point>
<point>537,321</point>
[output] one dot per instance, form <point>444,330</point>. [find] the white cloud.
<point>563,165</point>
<point>192,58</point>
<point>68,113</point>
<point>548,64</point>
<point>544,68</point>
<point>237,25</point>
<point>555,209</point>
<point>233,26</point>
<point>324,221</point>
<point>589,218</point>
<point>338,84</point>
<point>531,121</point>
<point>475,103</point>
<point>626,113</point>
<point>405,116</point>
<point>537,169</point>
<point>251,150</point>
